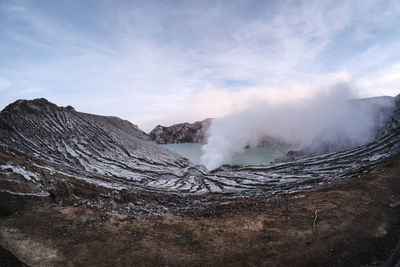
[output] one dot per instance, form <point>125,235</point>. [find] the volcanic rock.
<point>181,133</point>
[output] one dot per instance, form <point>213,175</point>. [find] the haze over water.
<point>249,156</point>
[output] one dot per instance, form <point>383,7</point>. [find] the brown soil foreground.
<point>348,224</point>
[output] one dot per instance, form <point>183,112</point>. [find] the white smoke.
<point>328,116</point>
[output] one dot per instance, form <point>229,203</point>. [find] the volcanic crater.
<point>78,189</point>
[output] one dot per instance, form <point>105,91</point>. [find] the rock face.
<point>95,174</point>
<point>181,133</point>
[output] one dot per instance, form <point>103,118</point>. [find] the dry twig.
<point>315,219</point>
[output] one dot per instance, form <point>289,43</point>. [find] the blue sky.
<point>163,62</point>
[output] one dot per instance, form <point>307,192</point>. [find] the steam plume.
<point>328,116</point>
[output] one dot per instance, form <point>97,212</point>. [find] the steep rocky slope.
<point>84,144</point>
<point>97,166</point>
<point>79,140</point>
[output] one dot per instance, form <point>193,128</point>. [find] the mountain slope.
<point>96,144</point>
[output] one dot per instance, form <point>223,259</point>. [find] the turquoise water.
<point>255,155</point>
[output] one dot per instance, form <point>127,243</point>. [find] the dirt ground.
<point>352,224</point>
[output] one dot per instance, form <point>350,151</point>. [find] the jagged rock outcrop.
<point>181,133</point>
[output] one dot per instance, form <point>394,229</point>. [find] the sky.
<point>164,62</point>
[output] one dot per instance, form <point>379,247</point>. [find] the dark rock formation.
<point>181,133</point>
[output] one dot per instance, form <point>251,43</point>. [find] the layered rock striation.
<point>116,158</point>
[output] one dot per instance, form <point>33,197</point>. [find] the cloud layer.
<point>156,62</point>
